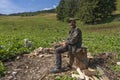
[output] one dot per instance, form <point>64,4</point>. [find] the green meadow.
<point>45,29</point>
<point>42,30</point>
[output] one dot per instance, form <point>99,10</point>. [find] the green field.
<point>44,29</point>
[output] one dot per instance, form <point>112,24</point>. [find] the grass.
<point>44,29</point>
<point>102,38</point>
<point>38,29</point>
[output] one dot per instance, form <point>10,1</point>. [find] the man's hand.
<point>64,44</point>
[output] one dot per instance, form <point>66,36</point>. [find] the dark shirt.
<point>74,39</point>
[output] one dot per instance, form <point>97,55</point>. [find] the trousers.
<point>58,53</point>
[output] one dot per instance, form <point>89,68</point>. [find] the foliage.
<point>61,10</point>
<point>11,47</point>
<point>66,9</point>
<point>115,68</point>
<point>71,8</point>
<point>2,69</point>
<point>96,10</point>
<point>88,11</point>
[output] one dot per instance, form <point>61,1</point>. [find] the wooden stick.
<point>82,76</point>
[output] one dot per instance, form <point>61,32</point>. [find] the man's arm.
<point>74,39</point>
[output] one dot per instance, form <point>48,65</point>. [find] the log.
<point>80,58</point>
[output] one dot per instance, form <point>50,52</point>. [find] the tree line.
<point>88,11</point>
<point>30,13</point>
<point>33,13</point>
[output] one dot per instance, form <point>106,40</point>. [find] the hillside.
<point>30,13</point>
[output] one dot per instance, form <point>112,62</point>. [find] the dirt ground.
<point>37,68</point>
<point>33,68</point>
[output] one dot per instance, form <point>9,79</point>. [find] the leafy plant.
<point>115,68</point>
<point>2,69</point>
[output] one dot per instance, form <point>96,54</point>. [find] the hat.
<point>72,19</point>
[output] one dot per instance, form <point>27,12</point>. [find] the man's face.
<point>72,24</point>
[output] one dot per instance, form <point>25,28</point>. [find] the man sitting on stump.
<point>73,42</point>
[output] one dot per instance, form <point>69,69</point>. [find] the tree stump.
<point>80,58</point>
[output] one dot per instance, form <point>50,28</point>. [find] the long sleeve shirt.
<point>75,37</point>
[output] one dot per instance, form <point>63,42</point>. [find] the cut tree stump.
<point>80,58</point>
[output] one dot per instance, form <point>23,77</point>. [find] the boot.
<point>55,70</point>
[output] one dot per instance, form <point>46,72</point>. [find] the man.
<point>73,42</point>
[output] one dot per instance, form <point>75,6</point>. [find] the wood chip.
<point>118,63</point>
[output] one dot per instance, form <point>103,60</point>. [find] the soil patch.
<point>37,67</point>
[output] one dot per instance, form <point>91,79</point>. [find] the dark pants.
<point>59,51</point>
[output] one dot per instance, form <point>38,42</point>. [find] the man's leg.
<point>58,52</point>
<point>71,57</point>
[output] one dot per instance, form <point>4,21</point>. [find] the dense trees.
<point>61,10</point>
<point>89,11</point>
<point>66,9</point>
